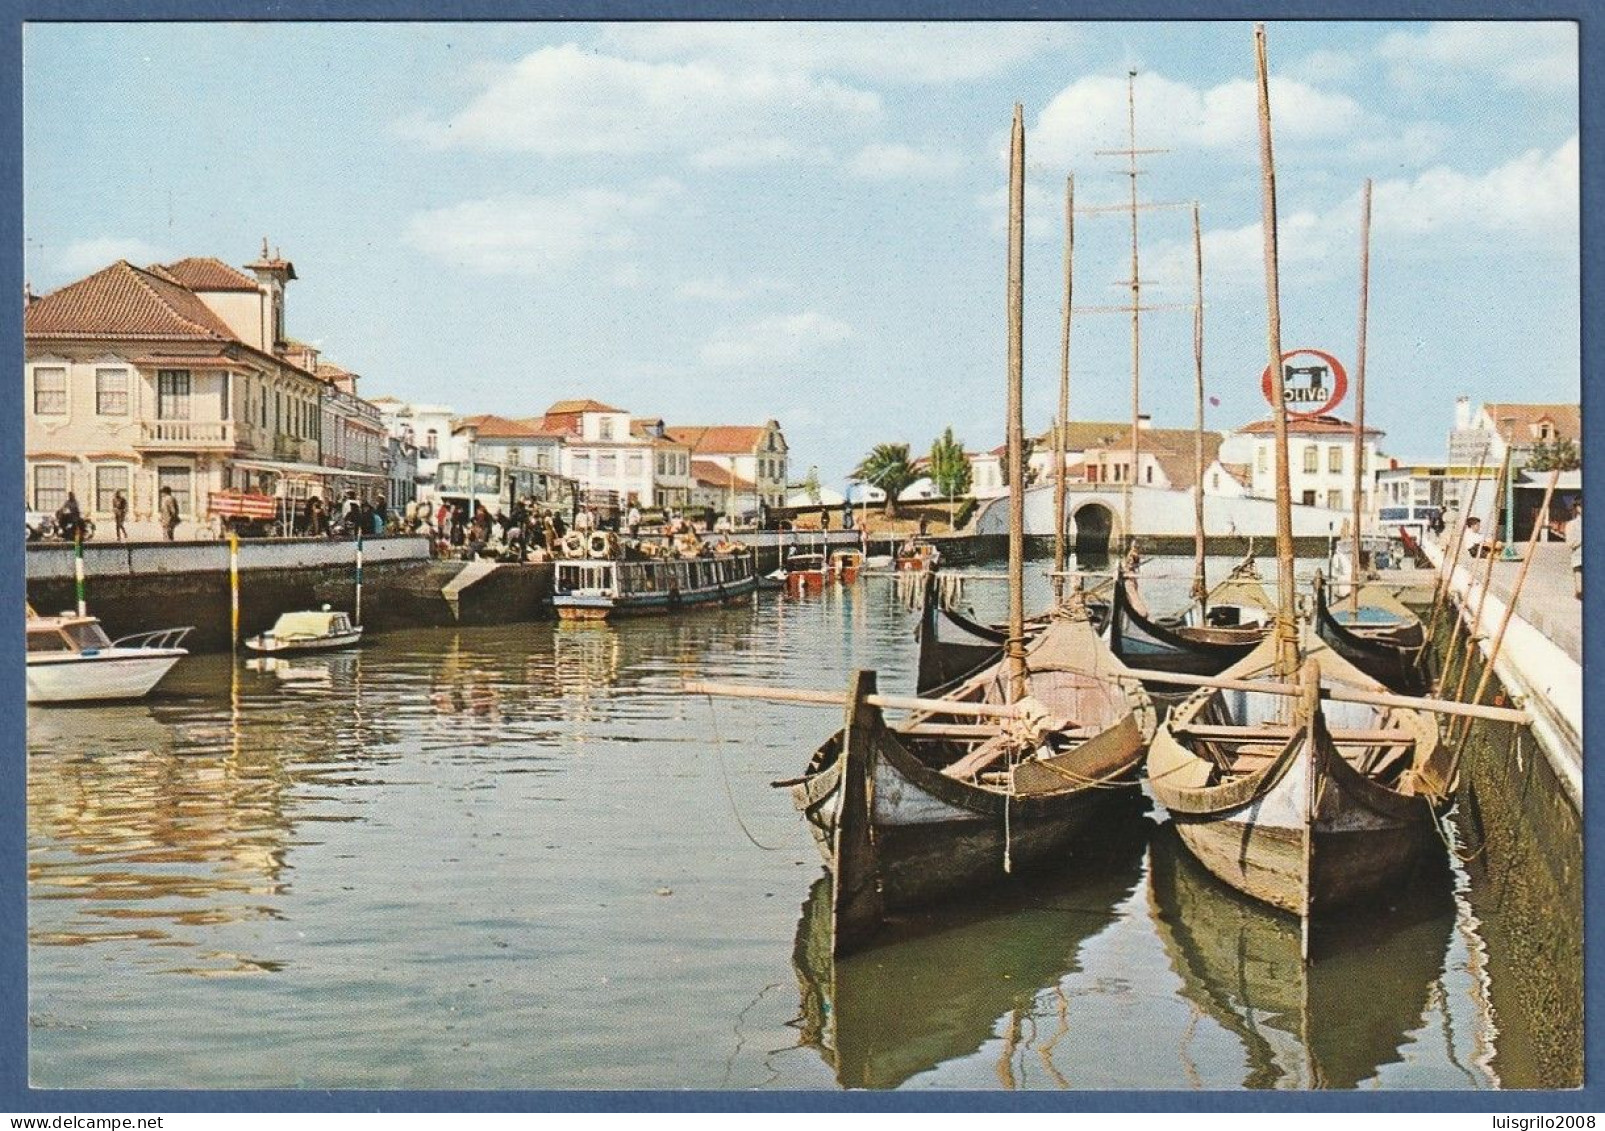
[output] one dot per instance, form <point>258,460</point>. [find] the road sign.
<point>1313,383</point>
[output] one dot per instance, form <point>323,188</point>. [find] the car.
<point>40,525</point>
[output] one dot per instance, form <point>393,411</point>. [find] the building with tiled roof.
<point>1484,434</point>
<point>1320,452</point>
<point>173,375</point>
<point>755,454</point>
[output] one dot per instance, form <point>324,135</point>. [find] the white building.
<point>613,465</point>
<point>426,427</point>
<point>1320,461</point>
<point>754,455</point>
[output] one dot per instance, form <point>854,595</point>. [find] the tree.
<point>950,467</point>
<point>1027,447</point>
<point>811,485</point>
<point>1561,455</point>
<point>887,467</point>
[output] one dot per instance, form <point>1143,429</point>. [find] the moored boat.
<point>806,573</point>
<point>846,564</point>
<point>316,630</point>
<point>913,813</point>
<point>1192,649</point>
<point>70,659</point>
<point>1383,638</point>
<point>1303,804</point>
<point>917,555</point>
<point>598,588</point>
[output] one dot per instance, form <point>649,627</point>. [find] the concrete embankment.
<point>136,586</point>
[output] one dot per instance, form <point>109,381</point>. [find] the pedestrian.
<point>1574,541</point>
<point>584,521</point>
<point>824,519</point>
<point>847,515</point>
<point>119,515</point>
<point>925,524</point>
<point>634,521</point>
<point>167,511</point>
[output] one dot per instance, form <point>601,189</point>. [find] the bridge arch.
<point>1096,528</point>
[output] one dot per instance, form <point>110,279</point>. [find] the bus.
<point>497,485</point>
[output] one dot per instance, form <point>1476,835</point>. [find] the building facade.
<point>754,459</point>
<point>1320,461</point>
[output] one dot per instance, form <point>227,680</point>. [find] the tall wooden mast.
<point>1286,625</point>
<point>1060,559</point>
<point>1016,290</point>
<point>1359,389</point>
<point>1200,583</point>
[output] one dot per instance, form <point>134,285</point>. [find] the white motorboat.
<point>72,660</point>
<point>314,631</point>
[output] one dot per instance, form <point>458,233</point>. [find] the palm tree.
<point>887,466</point>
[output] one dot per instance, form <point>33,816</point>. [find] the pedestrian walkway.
<point>1546,600</point>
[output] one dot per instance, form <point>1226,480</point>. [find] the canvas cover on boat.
<point>304,624</point>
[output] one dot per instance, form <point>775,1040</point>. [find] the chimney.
<point>1462,413</point>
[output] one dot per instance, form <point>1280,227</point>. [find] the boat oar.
<point>1338,694</point>
<point>820,698</point>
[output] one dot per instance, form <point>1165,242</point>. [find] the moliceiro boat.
<point>1194,649</point>
<point>1303,804</point>
<point>909,814</point>
<point>597,588</point>
<point>1384,639</point>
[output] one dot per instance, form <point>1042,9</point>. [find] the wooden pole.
<point>1059,442</point>
<point>357,612</point>
<point>1016,288</point>
<point>1286,625</point>
<point>1540,522</point>
<point>234,591</point>
<point>813,697</point>
<point>1359,390</point>
<point>1136,310</point>
<point>1476,620</point>
<point>78,569</point>
<point>1200,584</point>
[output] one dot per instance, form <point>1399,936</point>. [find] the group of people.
<point>73,526</point>
<point>524,532</point>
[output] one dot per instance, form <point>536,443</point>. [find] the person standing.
<point>167,511</point>
<point>1574,541</point>
<point>119,515</point>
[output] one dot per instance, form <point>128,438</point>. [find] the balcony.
<point>186,435</point>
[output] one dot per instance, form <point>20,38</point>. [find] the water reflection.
<point>1371,979</point>
<point>938,986</point>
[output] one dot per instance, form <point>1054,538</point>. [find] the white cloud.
<point>885,162</point>
<point>1091,114</point>
<point>720,288</point>
<point>83,257</point>
<point>1524,56</point>
<point>777,340</point>
<point>1533,197</point>
<point>532,235</point>
<point>748,152</point>
<point>568,101</point>
<point>879,52</point>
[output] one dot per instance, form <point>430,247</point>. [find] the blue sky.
<point>726,223</point>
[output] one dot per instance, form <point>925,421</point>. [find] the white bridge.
<point>1094,515</point>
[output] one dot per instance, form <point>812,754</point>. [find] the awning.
<point>302,470</point>
<point>1539,480</point>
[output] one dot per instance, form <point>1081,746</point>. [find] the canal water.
<point>518,858</point>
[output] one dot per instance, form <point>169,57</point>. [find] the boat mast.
<point>1059,441</point>
<point>1286,627</point>
<point>1359,389</point>
<point>1016,288</point>
<point>1200,586</point>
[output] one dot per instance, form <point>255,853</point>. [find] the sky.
<point>727,223</point>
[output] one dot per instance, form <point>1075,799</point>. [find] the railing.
<point>186,434</point>
<point>156,638</point>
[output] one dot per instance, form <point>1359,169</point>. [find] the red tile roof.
<point>565,408</point>
<point>717,439</point>
<point>1566,419</point>
<point>122,301</point>
<point>1314,426</point>
<point>204,273</point>
<point>488,426</point>
<point>710,474</point>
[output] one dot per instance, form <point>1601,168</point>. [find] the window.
<point>225,393</point>
<point>178,479</point>
<point>1334,458</point>
<point>50,390</point>
<point>1309,498</point>
<point>1312,459</point>
<point>1264,456</point>
<point>108,481</point>
<point>604,428</point>
<point>49,486</point>
<point>172,394</point>
<point>1148,474</point>
<point>607,466</point>
<point>111,392</point>
<point>1334,500</point>
<point>635,464</point>
<point>1214,481</point>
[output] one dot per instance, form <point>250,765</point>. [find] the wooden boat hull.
<point>1311,827</point>
<point>798,584</point>
<point>953,647</point>
<point>1394,655</point>
<point>1184,649</point>
<point>110,674</point>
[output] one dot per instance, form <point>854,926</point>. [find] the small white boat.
<point>315,631</point>
<point>72,660</point>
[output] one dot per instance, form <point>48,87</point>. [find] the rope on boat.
<point>1008,832</point>
<point>724,773</point>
